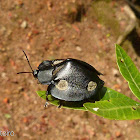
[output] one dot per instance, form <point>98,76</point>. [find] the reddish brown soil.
<point>50,29</point>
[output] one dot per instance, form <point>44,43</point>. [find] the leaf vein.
<point>129,72</point>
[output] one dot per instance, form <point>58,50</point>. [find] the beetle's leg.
<point>60,104</point>
<point>46,104</point>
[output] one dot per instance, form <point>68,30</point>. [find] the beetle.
<point>69,80</point>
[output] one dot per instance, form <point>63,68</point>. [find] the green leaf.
<point>116,109</point>
<point>128,71</point>
<point>42,94</point>
<point>104,94</point>
<point>107,94</point>
<point>54,101</point>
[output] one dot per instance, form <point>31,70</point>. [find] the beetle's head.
<point>44,73</point>
<point>45,65</point>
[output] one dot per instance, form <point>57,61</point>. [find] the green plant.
<point>110,103</point>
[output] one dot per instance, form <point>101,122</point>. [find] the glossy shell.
<point>70,79</point>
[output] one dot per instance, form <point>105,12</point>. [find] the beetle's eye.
<point>35,73</point>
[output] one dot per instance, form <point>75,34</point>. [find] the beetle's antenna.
<point>27,60</point>
<point>23,72</point>
<point>28,63</point>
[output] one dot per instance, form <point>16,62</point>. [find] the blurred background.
<point>55,29</point>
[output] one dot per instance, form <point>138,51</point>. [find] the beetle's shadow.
<point>101,94</point>
<point>78,104</point>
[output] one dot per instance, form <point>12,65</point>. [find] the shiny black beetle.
<point>68,79</point>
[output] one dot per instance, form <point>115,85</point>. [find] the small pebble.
<point>24,25</point>
<point>118,134</point>
<point>115,72</point>
<point>3,75</point>
<point>78,49</point>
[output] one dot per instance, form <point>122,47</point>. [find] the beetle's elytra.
<point>68,79</point>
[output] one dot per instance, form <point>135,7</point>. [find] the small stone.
<point>40,20</point>
<point>78,49</point>
<point>49,5</point>
<point>3,75</point>
<point>6,100</point>
<point>115,72</point>
<point>118,134</point>
<point>24,25</point>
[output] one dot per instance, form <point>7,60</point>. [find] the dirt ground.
<point>50,29</point>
